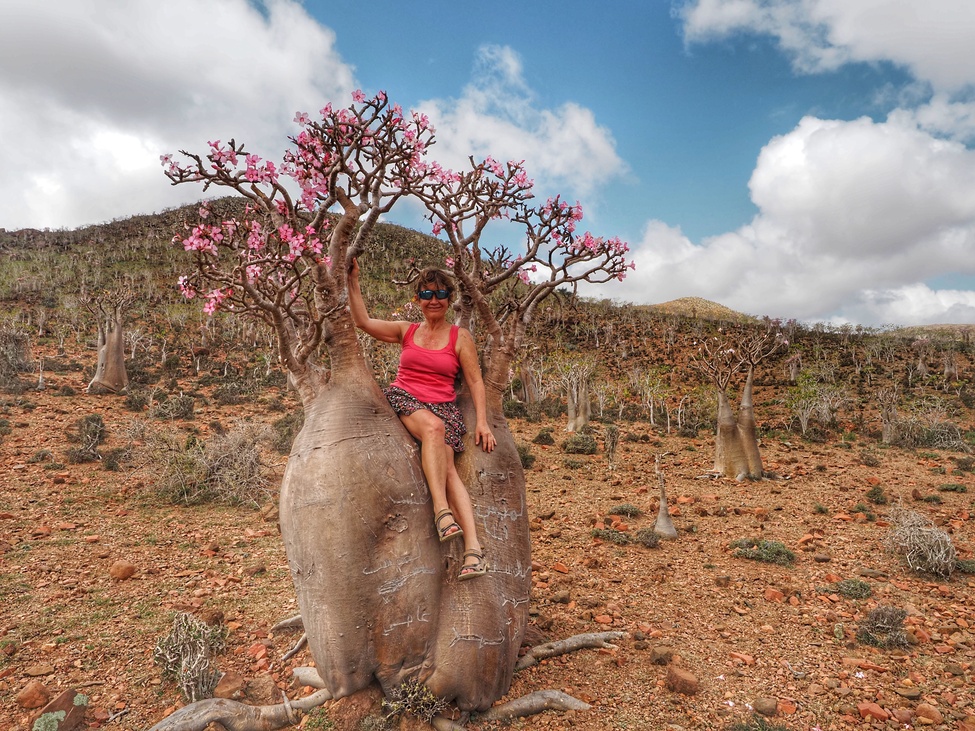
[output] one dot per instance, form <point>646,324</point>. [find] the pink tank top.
<point>428,375</point>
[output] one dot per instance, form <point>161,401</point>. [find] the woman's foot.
<point>447,529</point>
<point>477,567</point>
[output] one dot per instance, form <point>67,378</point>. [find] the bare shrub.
<point>227,468</point>
<point>883,627</point>
<point>14,358</point>
<point>926,548</point>
<point>930,426</point>
<point>186,655</point>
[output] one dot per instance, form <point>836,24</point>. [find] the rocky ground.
<point>93,566</point>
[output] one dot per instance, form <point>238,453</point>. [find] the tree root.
<point>302,641</point>
<point>528,705</point>
<point>235,716</point>
<point>569,644</point>
<point>295,622</point>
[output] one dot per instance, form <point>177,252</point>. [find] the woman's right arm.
<point>386,330</point>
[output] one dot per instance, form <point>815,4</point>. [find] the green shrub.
<point>852,588</point>
<point>515,409</point>
<point>136,400</point>
<point>933,499</point>
<point>820,509</point>
<point>953,487</point>
<point>626,509</point>
<point>620,538</point>
<point>544,437</point>
<point>647,537</point>
<point>580,444</point>
<point>763,550</point>
<point>966,566</point>
<point>756,723</point>
<point>865,509</point>
<point>526,456</point>
<point>877,496</point>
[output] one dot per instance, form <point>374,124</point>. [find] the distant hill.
<point>694,307</point>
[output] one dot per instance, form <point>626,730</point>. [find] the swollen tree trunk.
<point>736,451</point>
<point>378,594</point>
<point>110,374</point>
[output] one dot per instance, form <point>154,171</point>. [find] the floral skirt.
<point>405,404</point>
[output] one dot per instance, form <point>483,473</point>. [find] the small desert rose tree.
<point>378,594</point>
<point>109,312</point>
<point>736,452</point>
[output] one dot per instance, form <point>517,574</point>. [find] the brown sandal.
<point>446,533</point>
<point>472,571</point>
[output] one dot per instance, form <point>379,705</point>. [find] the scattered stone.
<point>262,691</point>
<point>33,695</point>
<point>230,686</point>
<point>561,597</point>
<point>929,712</point>
<point>38,671</point>
<point>255,569</point>
<point>872,710</point>
<point>270,513</point>
<point>822,558</point>
<point>122,570</point>
<point>681,681</point>
<point>954,668</point>
<point>903,715</point>
<point>768,707</point>
<point>661,654</point>
<point>912,694</point>
<point>70,708</point>
<point>722,581</point>
<point>871,573</point>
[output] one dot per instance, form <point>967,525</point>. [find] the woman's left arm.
<point>467,353</point>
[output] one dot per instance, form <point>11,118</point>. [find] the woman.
<point>423,396</point>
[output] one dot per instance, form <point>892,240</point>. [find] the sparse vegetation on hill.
<point>96,560</point>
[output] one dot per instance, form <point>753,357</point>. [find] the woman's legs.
<point>447,490</point>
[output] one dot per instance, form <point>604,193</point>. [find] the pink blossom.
<point>165,159</point>
<point>253,271</point>
<point>214,298</point>
<point>358,97</point>
<point>186,287</point>
<point>449,261</point>
<point>302,118</point>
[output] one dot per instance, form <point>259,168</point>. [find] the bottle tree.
<point>721,358</point>
<point>378,594</point>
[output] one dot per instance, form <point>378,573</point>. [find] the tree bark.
<point>110,374</point>
<point>379,595</point>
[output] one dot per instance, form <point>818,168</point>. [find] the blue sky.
<point>792,158</point>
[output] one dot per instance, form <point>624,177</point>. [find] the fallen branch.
<point>528,705</point>
<point>235,716</point>
<point>569,644</point>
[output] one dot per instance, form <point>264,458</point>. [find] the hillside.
<point>105,535</point>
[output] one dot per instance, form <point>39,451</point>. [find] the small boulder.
<point>768,707</point>
<point>122,570</point>
<point>681,681</point>
<point>33,695</point>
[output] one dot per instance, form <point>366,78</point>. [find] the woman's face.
<point>434,298</point>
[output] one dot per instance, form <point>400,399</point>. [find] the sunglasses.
<point>429,294</point>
